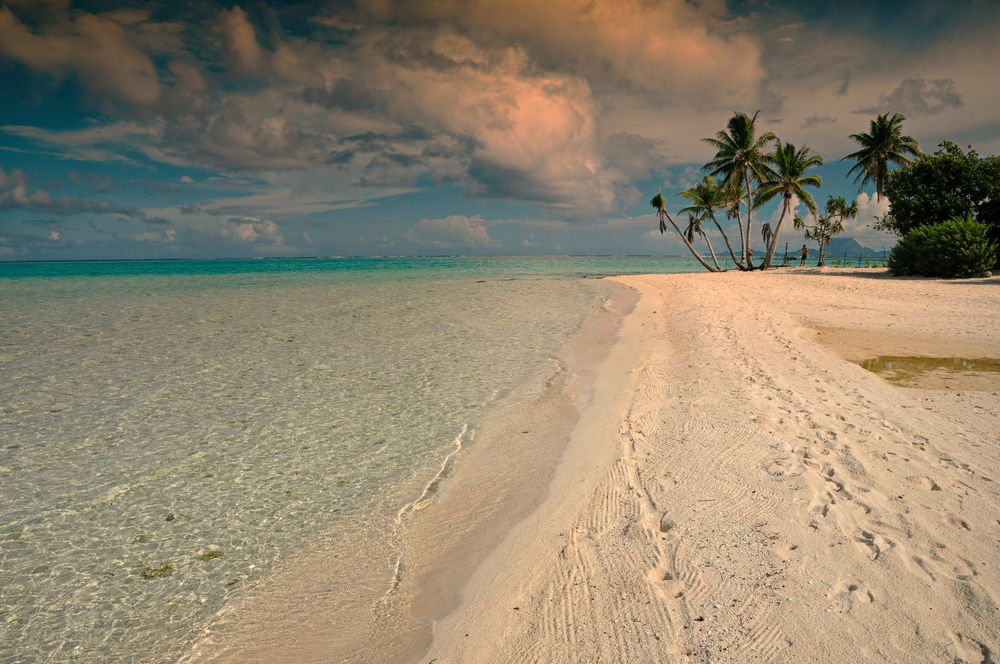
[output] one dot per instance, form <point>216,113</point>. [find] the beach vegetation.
<point>694,229</point>
<point>785,176</point>
<point>957,248</point>
<point>752,167</point>
<point>948,184</point>
<point>166,569</point>
<point>659,203</point>
<point>824,226</point>
<point>884,144</point>
<point>740,160</point>
<point>704,199</point>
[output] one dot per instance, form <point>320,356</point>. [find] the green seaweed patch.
<point>166,569</point>
<point>211,555</point>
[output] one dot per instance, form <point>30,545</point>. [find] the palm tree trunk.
<point>743,238</point>
<point>694,252</point>
<point>725,237</point>
<point>748,251</point>
<point>820,262</point>
<point>711,249</point>
<point>774,238</point>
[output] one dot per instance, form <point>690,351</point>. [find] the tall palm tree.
<point>786,177</point>
<point>884,144</point>
<point>739,156</point>
<point>659,203</point>
<point>706,197</point>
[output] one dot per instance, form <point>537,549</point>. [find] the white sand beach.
<point>738,490</point>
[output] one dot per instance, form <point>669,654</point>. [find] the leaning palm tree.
<point>706,197</point>
<point>694,229</point>
<point>884,144</point>
<point>786,177</point>
<point>826,226</point>
<point>739,157</point>
<point>659,203</point>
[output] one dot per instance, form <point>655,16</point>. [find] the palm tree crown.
<point>786,176</point>
<point>739,158</point>
<point>883,144</point>
<point>705,197</point>
<point>738,149</point>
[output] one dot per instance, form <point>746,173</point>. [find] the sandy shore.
<point>738,490</point>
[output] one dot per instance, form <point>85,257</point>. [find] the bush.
<point>953,248</point>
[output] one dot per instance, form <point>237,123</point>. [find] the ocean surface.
<point>171,431</point>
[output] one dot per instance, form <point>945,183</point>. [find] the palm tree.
<point>739,158</point>
<point>694,229</point>
<point>659,203</point>
<point>786,177</point>
<point>883,144</point>
<point>828,225</point>
<point>705,198</point>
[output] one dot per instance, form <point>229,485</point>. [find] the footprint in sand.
<point>970,651</point>
<point>873,545</point>
<point>930,484</point>
<point>958,523</point>
<point>844,595</point>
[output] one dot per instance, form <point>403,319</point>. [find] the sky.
<point>192,128</point>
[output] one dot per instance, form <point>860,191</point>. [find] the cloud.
<point>507,105</point>
<point>98,49</point>
<point>845,84</point>
<point>814,120</point>
<point>455,230</point>
<point>16,192</point>
<point>861,228</point>
<point>870,210</point>
<point>560,104</point>
<point>255,230</point>
<point>658,49</point>
<point>80,144</point>
<point>241,41</point>
<point>635,154</point>
<point>916,96</point>
<point>166,235</point>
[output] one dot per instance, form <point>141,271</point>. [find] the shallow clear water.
<point>167,438</point>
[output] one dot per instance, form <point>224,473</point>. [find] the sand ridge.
<point>759,497</point>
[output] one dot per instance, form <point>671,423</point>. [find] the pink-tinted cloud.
<point>241,41</point>
<point>254,229</point>
<point>96,48</point>
<point>455,230</point>
<point>661,49</point>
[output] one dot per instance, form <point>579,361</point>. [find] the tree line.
<point>751,169</point>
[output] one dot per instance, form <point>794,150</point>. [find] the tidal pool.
<point>937,372</point>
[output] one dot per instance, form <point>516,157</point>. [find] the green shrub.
<point>953,248</point>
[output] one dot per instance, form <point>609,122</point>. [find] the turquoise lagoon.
<point>171,431</point>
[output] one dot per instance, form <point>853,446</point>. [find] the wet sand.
<point>347,599</point>
<point>739,489</point>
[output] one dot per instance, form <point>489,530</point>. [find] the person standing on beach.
<point>805,255</point>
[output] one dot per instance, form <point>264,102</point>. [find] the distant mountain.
<point>841,246</point>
